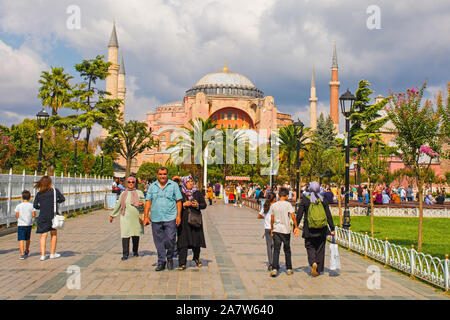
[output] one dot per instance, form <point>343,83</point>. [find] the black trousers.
<point>315,248</point>
<point>126,245</point>
<point>182,255</point>
<point>278,239</point>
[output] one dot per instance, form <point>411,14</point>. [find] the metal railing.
<point>417,264</point>
<point>80,192</point>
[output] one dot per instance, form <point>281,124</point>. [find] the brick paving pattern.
<point>234,267</point>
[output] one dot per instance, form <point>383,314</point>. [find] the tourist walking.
<point>210,194</point>
<point>266,214</point>
<point>190,232</point>
<point>129,205</point>
<point>24,214</point>
<point>163,211</point>
<point>44,201</point>
<point>281,221</point>
<point>216,191</point>
<point>317,218</point>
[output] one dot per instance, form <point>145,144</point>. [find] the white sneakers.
<point>52,256</point>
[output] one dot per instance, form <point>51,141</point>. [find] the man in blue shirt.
<point>163,202</point>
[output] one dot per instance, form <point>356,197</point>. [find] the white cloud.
<point>169,45</point>
<point>19,75</point>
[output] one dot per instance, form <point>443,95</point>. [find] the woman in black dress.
<point>315,239</point>
<point>44,202</point>
<point>190,237</point>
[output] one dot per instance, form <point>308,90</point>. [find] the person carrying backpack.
<point>314,208</point>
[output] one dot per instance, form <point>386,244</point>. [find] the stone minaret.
<point>334,91</point>
<point>121,90</point>
<point>113,57</point>
<point>313,100</point>
<point>112,80</point>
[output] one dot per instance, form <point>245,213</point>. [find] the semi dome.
<point>225,83</point>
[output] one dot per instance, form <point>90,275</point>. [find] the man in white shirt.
<point>282,215</point>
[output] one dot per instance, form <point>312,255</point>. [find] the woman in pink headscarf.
<point>129,205</point>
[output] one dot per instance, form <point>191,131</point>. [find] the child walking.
<point>266,214</point>
<point>25,214</point>
<point>282,214</point>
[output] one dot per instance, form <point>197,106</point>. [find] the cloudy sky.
<point>168,45</point>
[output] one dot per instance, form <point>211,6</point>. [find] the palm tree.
<point>55,91</point>
<point>289,137</point>
<point>186,141</point>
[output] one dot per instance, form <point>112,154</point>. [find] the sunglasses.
<point>131,182</point>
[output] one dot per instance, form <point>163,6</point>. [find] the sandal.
<point>182,267</point>
<point>197,261</point>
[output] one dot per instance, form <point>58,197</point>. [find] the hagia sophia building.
<point>227,97</point>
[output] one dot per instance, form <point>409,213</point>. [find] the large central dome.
<point>225,79</point>
<point>225,83</point>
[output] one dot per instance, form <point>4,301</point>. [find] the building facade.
<point>228,98</point>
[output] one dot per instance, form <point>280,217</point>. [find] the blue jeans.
<point>164,236</point>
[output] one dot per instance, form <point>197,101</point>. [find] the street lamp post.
<point>42,120</point>
<point>102,144</point>
<point>75,135</point>
<point>298,124</point>
<point>101,169</point>
<point>347,100</point>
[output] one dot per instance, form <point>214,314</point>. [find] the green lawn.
<point>403,232</point>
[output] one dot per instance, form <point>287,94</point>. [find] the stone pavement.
<point>234,267</point>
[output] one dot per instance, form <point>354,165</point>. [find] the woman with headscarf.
<point>189,236</point>
<point>130,222</point>
<point>315,238</point>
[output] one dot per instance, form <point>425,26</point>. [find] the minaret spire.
<point>335,63</point>
<point>122,65</point>
<point>313,103</point>
<point>334,91</point>
<point>113,39</point>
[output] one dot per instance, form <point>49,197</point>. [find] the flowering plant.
<point>428,151</point>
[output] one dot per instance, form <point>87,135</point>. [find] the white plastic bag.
<point>335,261</point>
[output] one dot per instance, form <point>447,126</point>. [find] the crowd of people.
<point>173,209</point>
<point>233,193</point>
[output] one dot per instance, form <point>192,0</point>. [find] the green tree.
<point>337,167</point>
<point>420,133</point>
<point>55,90</point>
<point>375,166</point>
<point>324,134</point>
<point>366,120</point>
<point>96,107</point>
<point>193,159</point>
<point>129,140</point>
<point>289,140</point>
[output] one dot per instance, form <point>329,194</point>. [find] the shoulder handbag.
<point>58,220</point>
<point>194,218</point>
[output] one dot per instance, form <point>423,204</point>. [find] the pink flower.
<point>413,90</point>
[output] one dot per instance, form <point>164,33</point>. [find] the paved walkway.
<point>234,267</point>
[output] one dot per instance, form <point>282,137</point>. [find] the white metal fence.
<point>79,192</point>
<point>417,264</point>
